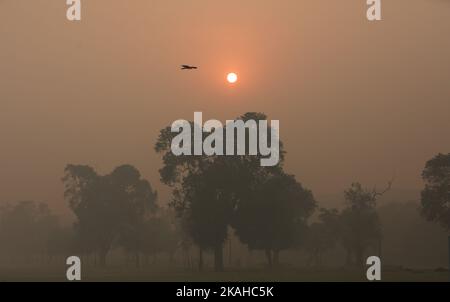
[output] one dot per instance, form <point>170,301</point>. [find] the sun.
<point>232,78</point>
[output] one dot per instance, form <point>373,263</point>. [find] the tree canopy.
<point>435,197</point>
<point>107,206</point>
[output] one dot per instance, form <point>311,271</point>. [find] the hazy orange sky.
<point>357,101</point>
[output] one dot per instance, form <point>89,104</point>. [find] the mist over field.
<point>87,169</point>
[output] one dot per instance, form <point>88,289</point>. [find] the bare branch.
<point>376,194</point>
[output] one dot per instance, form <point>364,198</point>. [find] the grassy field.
<point>127,274</point>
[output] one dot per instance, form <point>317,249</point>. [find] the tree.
<point>107,207</point>
<point>185,243</point>
<point>323,235</point>
<point>62,243</point>
<point>206,189</point>
<point>435,197</point>
<point>160,236</point>
<point>269,218</point>
<point>26,228</point>
<point>361,227</point>
<point>409,240</point>
<point>207,204</point>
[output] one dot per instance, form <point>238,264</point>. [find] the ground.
<point>303,275</point>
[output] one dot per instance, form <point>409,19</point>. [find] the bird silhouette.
<point>188,67</point>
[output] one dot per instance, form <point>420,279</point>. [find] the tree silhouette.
<point>269,218</point>
<point>207,203</point>
<point>435,199</point>
<point>108,206</point>
<point>160,236</point>
<point>62,242</point>
<point>26,228</point>
<point>361,227</point>
<point>323,235</point>
<point>206,189</point>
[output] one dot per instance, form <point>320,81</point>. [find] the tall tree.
<point>322,235</point>
<point>26,228</point>
<point>435,199</point>
<point>206,189</point>
<point>158,235</point>
<point>207,202</point>
<point>361,227</point>
<point>108,206</point>
<point>269,218</point>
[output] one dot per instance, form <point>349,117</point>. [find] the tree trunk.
<point>190,261</point>
<point>230,259</point>
<point>200,259</point>
<point>218,258</point>
<point>449,258</point>
<point>348,260</point>
<point>316,258</point>
<point>137,260</point>
<point>102,257</point>
<point>359,255</point>
<point>269,257</point>
<point>276,258</point>
<point>380,247</point>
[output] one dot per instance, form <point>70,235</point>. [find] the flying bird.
<point>188,67</point>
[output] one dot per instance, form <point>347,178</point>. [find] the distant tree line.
<point>266,208</point>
